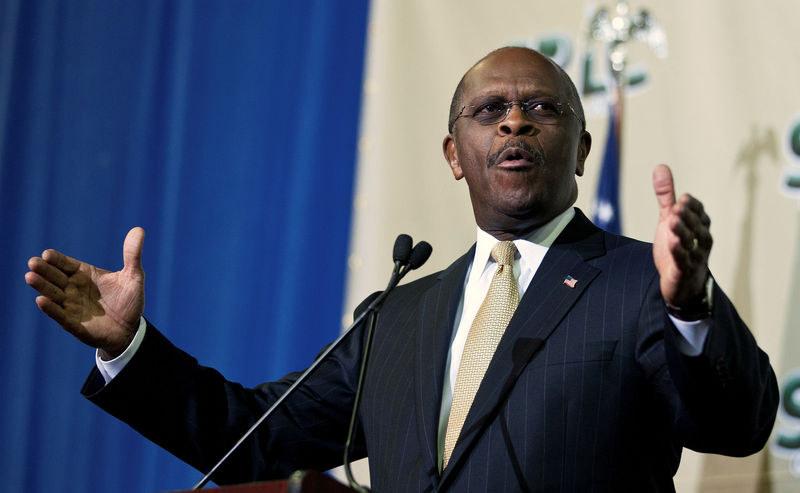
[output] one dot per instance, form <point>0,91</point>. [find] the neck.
<point>505,235</point>
<point>514,228</point>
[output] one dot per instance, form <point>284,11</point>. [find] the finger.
<point>66,264</point>
<point>696,250</point>
<point>60,316</point>
<point>685,236</point>
<point>687,250</point>
<point>132,249</point>
<point>679,253</point>
<point>663,186</point>
<point>694,217</point>
<point>44,287</point>
<point>701,236</point>
<point>699,225</point>
<point>692,210</point>
<point>687,260</point>
<point>693,204</point>
<point>705,241</point>
<point>48,272</point>
<point>699,256</point>
<point>54,311</point>
<point>692,232</point>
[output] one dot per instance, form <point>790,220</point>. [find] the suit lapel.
<point>437,311</point>
<point>545,303</point>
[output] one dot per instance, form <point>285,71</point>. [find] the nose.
<point>516,122</point>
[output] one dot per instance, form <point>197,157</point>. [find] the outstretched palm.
<point>99,307</point>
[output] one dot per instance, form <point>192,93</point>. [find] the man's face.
<point>520,173</point>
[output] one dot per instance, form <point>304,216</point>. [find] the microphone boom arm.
<point>398,273</point>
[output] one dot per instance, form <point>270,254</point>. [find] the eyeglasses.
<point>547,111</point>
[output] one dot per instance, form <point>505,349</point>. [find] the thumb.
<point>664,186</point>
<point>132,249</point>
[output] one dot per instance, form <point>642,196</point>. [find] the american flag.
<point>570,281</point>
<point>606,203</point>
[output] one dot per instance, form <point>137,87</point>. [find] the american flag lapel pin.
<point>570,281</point>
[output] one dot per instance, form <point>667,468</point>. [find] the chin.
<point>523,205</point>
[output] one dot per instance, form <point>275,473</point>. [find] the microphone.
<point>404,257</point>
<point>419,255</point>
<point>401,254</point>
<point>402,250</point>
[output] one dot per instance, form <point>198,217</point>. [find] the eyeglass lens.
<point>542,110</point>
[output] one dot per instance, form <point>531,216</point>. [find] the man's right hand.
<point>100,308</point>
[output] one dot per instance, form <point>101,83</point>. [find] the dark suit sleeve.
<point>723,401</point>
<point>196,414</point>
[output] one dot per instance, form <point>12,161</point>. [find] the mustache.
<point>538,157</point>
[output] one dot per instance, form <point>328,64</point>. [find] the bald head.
<point>570,92</point>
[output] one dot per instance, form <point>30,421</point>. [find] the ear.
<point>584,146</point>
<point>451,155</point>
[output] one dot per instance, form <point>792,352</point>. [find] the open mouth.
<point>517,157</point>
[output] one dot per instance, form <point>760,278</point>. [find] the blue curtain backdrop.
<point>227,129</point>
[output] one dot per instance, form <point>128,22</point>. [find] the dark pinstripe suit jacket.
<point>586,392</point>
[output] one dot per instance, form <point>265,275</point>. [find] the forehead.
<point>513,73</point>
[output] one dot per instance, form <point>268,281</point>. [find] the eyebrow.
<point>526,96</point>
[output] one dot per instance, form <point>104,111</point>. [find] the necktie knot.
<point>504,253</point>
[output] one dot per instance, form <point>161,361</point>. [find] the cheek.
<point>560,150</point>
<point>478,146</point>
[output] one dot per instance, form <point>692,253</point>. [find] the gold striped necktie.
<point>484,335</point>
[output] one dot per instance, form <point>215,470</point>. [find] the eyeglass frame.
<point>509,104</point>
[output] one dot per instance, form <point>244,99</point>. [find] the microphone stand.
<point>354,416</point>
<point>418,256</point>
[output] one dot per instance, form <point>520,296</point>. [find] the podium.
<point>299,482</point>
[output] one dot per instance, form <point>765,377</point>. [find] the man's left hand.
<point>682,243</point>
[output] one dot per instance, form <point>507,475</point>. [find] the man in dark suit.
<point>618,354</point>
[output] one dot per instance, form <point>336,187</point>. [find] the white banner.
<point>721,109</point>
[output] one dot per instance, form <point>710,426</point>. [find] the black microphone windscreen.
<point>420,254</point>
<point>402,249</point>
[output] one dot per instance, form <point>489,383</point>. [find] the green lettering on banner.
<point>556,46</point>
<point>789,442</point>
<point>590,86</point>
<point>559,47</point>
<point>786,441</point>
<point>790,179</point>
<point>791,396</point>
<point>635,77</point>
<point>794,140</point>
<point>786,436</point>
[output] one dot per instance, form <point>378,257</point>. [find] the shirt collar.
<point>531,249</point>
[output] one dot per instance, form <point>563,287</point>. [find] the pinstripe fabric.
<point>586,391</point>
<point>484,336</point>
